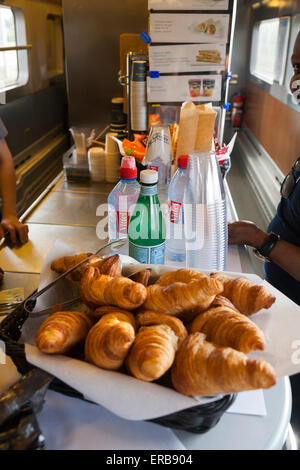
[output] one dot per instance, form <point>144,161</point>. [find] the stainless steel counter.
<point>28,281</point>
<point>29,258</point>
<point>67,213</point>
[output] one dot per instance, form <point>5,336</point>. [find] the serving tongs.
<point>114,245</point>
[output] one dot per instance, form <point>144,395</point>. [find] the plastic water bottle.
<point>175,244</point>
<point>122,200</point>
<point>159,157</point>
<point>147,231</point>
<point>163,172</point>
<point>205,214</point>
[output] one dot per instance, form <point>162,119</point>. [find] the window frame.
<point>295,27</point>
<point>21,49</point>
<point>54,20</point>
<point>253,54</point>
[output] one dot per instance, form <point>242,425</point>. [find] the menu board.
<point>188,4</point>
<point>189,28</point>
<point>187,58</point>
<point>200,88</point>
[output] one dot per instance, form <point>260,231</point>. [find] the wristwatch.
<point>264,251</point>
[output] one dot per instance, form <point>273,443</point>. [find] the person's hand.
<point>245,233</point>
<point>13,230</point>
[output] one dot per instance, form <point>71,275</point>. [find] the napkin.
<point>249,403</point>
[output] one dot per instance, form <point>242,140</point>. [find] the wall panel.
<point>92,45</point>
<point>275,125</point>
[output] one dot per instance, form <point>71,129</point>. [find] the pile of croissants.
<point>195,325</point>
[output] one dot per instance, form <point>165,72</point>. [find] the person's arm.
<point>10,223</point>
<point>284,254</point>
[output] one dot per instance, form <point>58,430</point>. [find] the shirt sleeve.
<point>3,130</point>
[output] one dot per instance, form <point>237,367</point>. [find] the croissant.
<point>179,298</point>
<point>221,301</point>
<point>61,331</point>
<point>109,341</point>
<point>246,296</point>
<point>152,353</point>
<point>201,368</point>
<point>218,301</point>
<point>181,275</point>
<point>114,311</point>
<point>153,318</point>
<point>65,263</point>
<point>110,266</point>
<point>227,327</point>
<point>142,277</point>
<point>97,289</point>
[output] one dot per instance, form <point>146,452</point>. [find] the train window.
<point>13,55</point>
<point>8,58</point>
<point>269,49</point>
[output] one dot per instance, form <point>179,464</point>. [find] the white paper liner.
<point>133,399</point>
<point>121,394</point>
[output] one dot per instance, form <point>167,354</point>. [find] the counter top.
<point>68,212</point>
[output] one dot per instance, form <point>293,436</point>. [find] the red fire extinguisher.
<point>237,109</point>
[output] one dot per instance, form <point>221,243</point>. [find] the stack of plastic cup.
<point>96,158</point>
<point>112,159</point>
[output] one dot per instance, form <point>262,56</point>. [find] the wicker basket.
<point>198,419</point>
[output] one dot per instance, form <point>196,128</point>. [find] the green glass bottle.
<point>147,230</point>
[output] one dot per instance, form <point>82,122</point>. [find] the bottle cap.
<point>128,168</point>
<point>182,161</point>
<point>149,176</point>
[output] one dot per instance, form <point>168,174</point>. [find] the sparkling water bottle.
<point>147,231</point>
<point>122,200</point>
<point>175,244</point>
<point>205,214</point>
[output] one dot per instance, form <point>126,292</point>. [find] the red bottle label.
<point>123,221</point>
<point>175,208</point>
<point>153,167</point>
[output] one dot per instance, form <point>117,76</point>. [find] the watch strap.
<point>265,250</point>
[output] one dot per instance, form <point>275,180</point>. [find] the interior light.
<point>277,3</point>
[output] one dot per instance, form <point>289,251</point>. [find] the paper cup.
<point>111,145</point>
<point>112,166</point>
